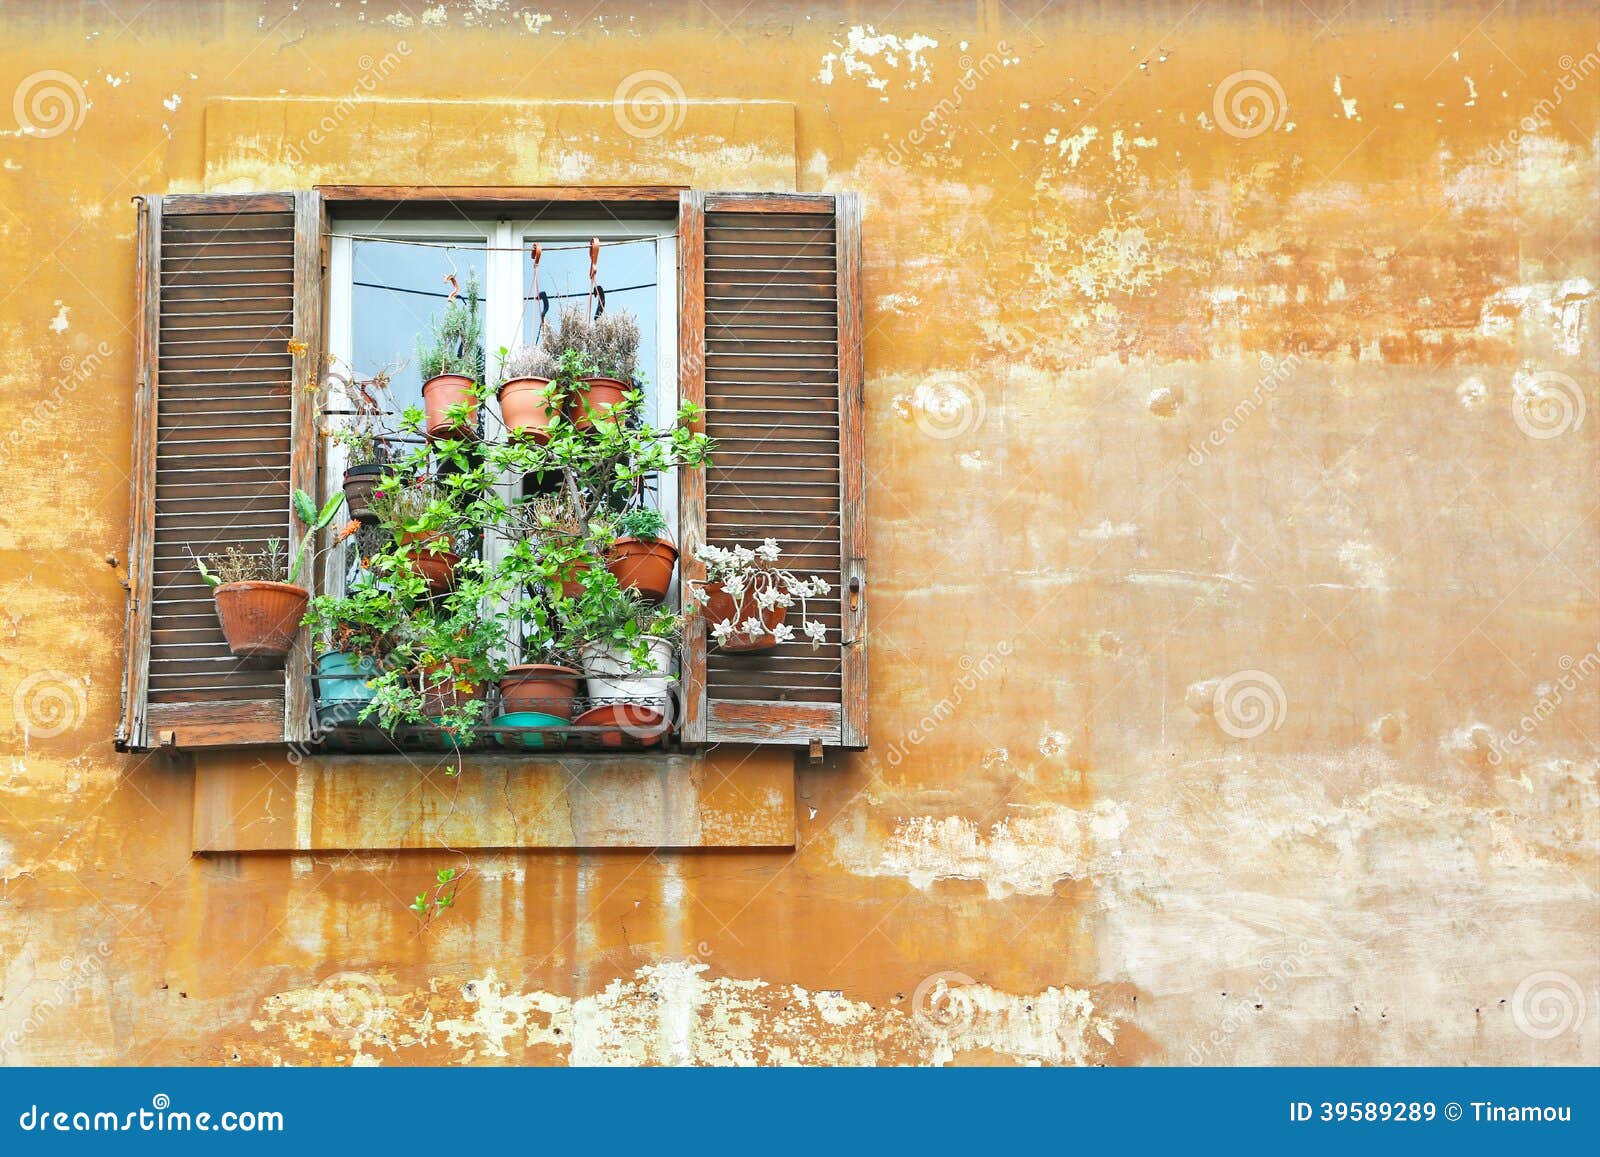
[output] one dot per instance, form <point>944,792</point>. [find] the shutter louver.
<point>780,374</point>
<point>220,440</point>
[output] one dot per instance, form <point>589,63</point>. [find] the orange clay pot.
<point>603,393</point>
<point>525,409</point>
<point>437,566</point>
<point>644,565</point>
<point>438,395</point>
<point>540,687</point>
<point>445,687</point>
<point>572,580</point>
<point>719,606</point>
<point>260,619</point>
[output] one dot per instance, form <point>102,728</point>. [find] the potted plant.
<point>530,397</point>
<point>438,670</point>
<point>259,602</point>
<point>745,598</point>
<point>451,360</point>
<point>600,356</point>
<point>363,436</point>
<point>354,632</point>
<point>641,556</point>
<point>627,664</point>
<point>418,513</point>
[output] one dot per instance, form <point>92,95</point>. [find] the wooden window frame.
<point>802,724</point>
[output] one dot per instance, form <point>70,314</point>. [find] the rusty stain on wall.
<point>1231,381</point>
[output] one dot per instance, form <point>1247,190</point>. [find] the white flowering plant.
<point>746,597</point>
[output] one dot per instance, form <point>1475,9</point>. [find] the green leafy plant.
<point>237,565</point>
<point>455,343</point>
<point>641,522</point>
<point>431,904</point>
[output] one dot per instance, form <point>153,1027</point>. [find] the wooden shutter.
<point>770,334</point>
<point>224,430</point>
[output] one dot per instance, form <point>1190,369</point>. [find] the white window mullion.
<point>341,262</point>
<point>502,329</point>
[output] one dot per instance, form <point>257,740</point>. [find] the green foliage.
<point>237,565</point>
<point>641,522</point>
<point>455,343</point>
<point>449,494</point>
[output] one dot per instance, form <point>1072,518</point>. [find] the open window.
<point>749,307</point>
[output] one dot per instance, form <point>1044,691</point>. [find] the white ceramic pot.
<point>608,670</point>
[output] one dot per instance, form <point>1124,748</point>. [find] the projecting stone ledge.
<point>247,803</point>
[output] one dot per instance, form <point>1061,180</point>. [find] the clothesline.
<point>468,245</point>
<point>525,297</point>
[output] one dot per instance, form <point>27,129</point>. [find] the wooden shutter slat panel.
<point>225,288</point>
<point>770,389</point>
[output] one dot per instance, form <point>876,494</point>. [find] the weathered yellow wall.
<point>1078,270</point>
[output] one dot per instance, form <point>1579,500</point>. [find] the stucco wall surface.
<point>1233,433</point>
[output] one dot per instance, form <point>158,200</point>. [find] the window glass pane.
<point>399,290</point>
<point>627,274</point>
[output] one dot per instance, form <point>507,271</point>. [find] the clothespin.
<point>594,268</point>
<point>544,302</point>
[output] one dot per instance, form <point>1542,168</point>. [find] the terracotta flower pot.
<point>643,564</point>
<point>572,579</point>
<point>445,687</point>
<point>525,408</point>
<point>719,606</point>
<point>539,687</point>
<point>359,484</point>
<point>438,395</point>
<point>437,564</point>
<point>645,725</point>
<point>260,619</point>
<point>603,393</point>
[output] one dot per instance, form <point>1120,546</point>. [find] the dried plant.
<point>364,433</point>
<point>609,344</point>
<point>572,333</point>
<point>238,565</point>
<point>527,361</point>
<point>548,516</point>
<point>614,345</point>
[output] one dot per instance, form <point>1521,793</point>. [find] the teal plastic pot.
<point>342,683</point>
<point>528,740</point>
